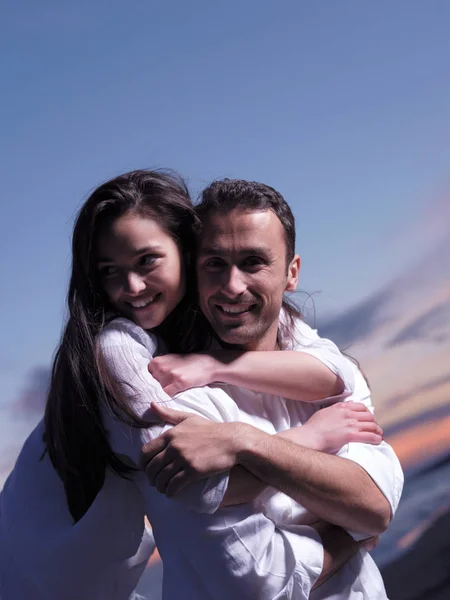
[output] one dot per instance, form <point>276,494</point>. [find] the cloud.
<point>31,401</point>
<point>358,322</point>
<point>426,327</point>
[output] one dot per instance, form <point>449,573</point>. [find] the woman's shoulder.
<point>123,332</point>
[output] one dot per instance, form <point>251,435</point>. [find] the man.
<point>245,263</point>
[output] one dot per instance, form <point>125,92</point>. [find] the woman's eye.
<point>146,260</point>
<point>108,271</point>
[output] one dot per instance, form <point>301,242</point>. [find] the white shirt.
<point>44,556</point>
<point>239,552</point>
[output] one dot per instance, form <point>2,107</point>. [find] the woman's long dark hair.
<point>75,437</point>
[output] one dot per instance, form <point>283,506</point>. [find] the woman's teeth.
<point>142,303</point>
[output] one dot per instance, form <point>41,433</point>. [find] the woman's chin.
<point>149,321</point>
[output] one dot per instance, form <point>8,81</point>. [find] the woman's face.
<point>141,269</point>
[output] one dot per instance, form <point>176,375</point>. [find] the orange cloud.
<point>421,441</point>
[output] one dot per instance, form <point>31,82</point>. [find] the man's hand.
<point>329,429</point>
<point>371,543</point>
<point>179,372</point>
<point>198,448</point>
<point>195,449</point>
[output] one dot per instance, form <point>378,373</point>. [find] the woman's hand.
<point>331,428</point>
<point>179,372</point>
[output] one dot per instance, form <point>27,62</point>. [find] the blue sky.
<point>342,106</point>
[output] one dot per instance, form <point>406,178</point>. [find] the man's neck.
<point>267,343</point>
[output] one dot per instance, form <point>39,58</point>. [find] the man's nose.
<point>134,284</point>
<point>234,283</point>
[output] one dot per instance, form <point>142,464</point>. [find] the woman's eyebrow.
<point>143,250</point>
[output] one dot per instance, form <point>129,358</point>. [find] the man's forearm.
<point>338,548</point>
<point>244,486</point>
<point>336,490</point>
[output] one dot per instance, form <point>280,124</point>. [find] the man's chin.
<point>234,337</point>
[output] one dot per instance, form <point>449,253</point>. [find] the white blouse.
<point>44,556</point>
<point>252,550</point>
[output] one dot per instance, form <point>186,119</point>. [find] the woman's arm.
<point>295,375</point>
<point>313,369</point>
<point>290,374</point>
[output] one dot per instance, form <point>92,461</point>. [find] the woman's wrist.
<point>303,435</point>
<point>221,366</point>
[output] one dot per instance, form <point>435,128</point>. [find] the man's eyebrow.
<point>138,252</point>
<point>218,251</point>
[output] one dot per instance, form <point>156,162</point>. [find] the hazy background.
<point>343,106</point>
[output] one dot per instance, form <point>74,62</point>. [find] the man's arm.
<point>327,430</point>
<point>336,490</point>
<point>338,548</point>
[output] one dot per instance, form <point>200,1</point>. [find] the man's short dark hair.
<point>225,195</point>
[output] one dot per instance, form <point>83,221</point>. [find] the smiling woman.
<point>141,268</point>
<point>127,261</point>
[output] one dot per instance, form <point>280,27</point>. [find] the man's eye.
<point>214,263</point>
<point>253,261</point>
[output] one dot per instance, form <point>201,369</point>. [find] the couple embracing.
<point>188,389</point>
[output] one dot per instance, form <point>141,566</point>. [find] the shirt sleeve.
<point>126,350</point>
<point>380,462</point>
<point>305,339</point>
<point>382,465</point>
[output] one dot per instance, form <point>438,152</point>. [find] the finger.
<point>151,449</point>
<point>165,475</point>
<point>364,437</point>
<point>169,414</point>
<point>179,482</point>
<point>172,389</point>
<point>371,543</point>
<point>370,427</point>
<point>156,465</point>
<point>363,415</point>
<point>357,406</point>
<point>163,378</point>
<point>152,367</point>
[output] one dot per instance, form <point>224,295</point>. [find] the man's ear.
<point>292,274</point>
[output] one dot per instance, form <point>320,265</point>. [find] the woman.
<point>130,259</point>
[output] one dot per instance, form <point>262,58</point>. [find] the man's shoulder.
<point>295,331</point>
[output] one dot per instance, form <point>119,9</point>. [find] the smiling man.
<point>240,276</point>
<point>246,262</point>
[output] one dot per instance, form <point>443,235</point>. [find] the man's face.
<point>242,275</point>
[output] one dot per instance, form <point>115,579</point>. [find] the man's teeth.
<point>142,303</point>
<point>234,310</point>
